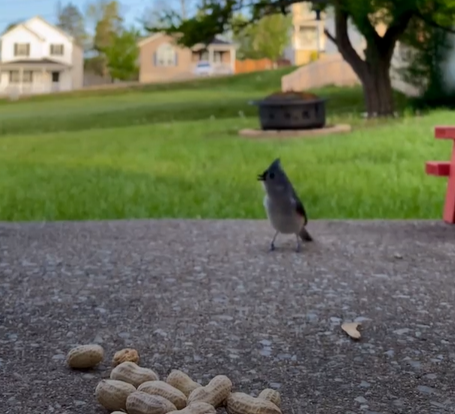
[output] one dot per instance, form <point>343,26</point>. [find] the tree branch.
<point>397,27</point>
<point>366,28</point>
<point>330,36</point>
<point>343,43</point>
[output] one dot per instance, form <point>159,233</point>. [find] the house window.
<point>165,55</point>
<point>14,76</point>
<point>307,38</point>
<point>27,76</point>
<point>21,49</point>
<point>56,50</point>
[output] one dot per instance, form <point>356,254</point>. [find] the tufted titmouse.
<point>282,205</point>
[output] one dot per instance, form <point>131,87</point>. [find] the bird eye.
<point>271,176</point>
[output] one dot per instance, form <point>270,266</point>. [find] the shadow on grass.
<point>340,101</point>
<point>246,81</point>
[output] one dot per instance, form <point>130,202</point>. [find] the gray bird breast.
<point>282,215</point>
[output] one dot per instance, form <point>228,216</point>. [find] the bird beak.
<point>261,177</point>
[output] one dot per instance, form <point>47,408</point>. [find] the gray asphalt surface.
<point>208,298</point>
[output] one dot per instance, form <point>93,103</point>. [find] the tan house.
<point>161,59</point>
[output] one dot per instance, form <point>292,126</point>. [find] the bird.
<point>283,207</point>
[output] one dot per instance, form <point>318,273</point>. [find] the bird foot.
<point>272,247</point>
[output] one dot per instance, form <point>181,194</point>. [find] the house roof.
<point>144,41</point>
<point>148,39</point>
<point>217,41</point>
<point>24,26</point>
<point>53,26</point>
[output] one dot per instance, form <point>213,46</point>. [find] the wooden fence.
<point>254,65</point>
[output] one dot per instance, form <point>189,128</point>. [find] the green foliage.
<point>215,17</point>
<point>95,64</point>
<point>266,38</point>
<point>108,25</point>
<point>71,20</point>
<point>243,37</point>
<point>108,22</point>
<point>424,50</point>
<point>122,55</point>
<point>212,18</point>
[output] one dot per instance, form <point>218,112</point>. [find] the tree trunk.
<point>373,71</point>
<point>377,90</point>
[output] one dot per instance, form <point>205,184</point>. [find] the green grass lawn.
<point>173,151</point>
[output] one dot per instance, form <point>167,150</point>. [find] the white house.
<point>38,57</point>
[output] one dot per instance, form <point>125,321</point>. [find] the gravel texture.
<point>207,297</point>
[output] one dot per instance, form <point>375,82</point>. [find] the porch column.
<point>232,52</point>
<point>21,82</point>
<point>211,55</point>
<point>43,76</point>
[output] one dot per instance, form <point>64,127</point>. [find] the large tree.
<point>122,55</point>
<point>71,20</point>
<point>215,16</point>
<point>266,38</point>
<point>108,21</point>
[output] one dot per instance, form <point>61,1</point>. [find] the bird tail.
<point>304,235</point>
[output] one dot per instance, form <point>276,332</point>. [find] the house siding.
<point>150,73</point>
<point>41,35</point>
<point>52,36</point>
<point>77,73</point>
<point>21,35</point>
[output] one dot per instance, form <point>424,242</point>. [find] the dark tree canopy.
<point>216,16</point>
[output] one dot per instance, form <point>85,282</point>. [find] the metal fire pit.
<point>291,111</point>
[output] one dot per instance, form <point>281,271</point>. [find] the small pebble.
<point>401,331</point>
<point>425,390</point>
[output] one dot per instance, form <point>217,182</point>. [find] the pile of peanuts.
<point>133,389</point>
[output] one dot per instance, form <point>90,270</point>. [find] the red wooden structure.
<point>445,169</point>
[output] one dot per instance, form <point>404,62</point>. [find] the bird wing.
<point>299,208</point>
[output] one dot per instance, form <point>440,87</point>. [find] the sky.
<point>19,10</point>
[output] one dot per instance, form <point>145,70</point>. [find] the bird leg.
<point>299,244</point>
<point>272,244</point>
